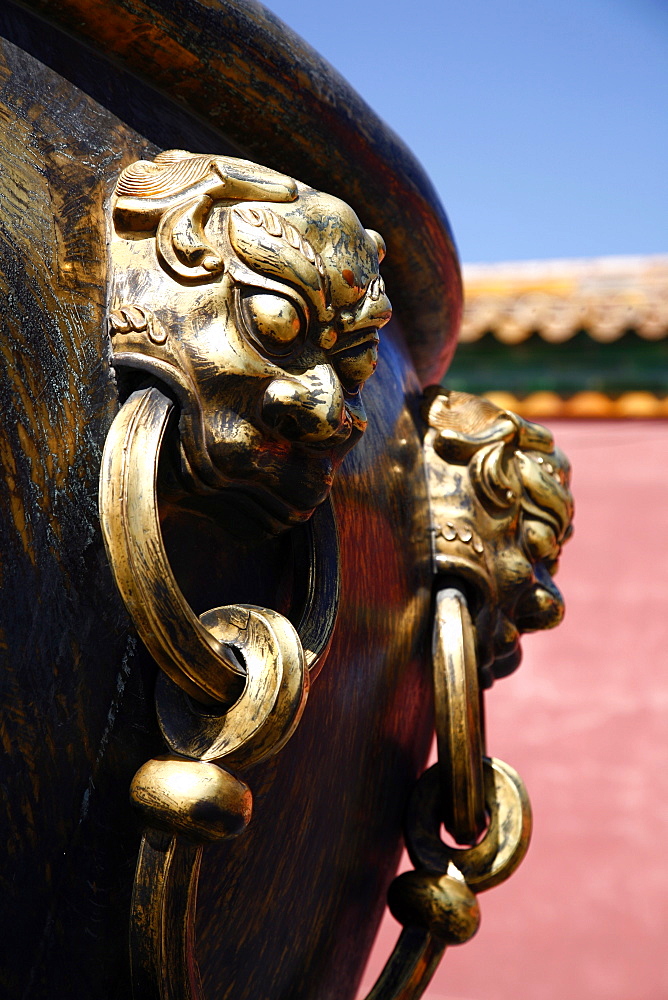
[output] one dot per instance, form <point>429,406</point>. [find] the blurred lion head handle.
<point>501,511</point>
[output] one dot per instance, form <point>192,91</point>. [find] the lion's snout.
<point>307,408</point>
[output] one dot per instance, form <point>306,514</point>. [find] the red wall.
<point>584,722</point>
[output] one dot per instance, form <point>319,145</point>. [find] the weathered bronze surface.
<point>72,681</point>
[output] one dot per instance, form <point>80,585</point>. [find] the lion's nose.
<point>542,606</point>
<point>308,407</point>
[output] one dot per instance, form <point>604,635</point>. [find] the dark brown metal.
<point>72,680</point>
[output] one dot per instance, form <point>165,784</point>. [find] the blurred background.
<point>543,128</point>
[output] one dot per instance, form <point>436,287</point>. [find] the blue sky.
<point>543,125</point>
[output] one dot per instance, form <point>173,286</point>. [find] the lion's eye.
<point>356,364</point>
<point>273,321</point>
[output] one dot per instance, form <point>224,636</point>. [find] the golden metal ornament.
<point>181,645</point>
<point>199,800</point>
<point>436,903</point>
<point>251,304</point>
<point>504,843</point>
<point>501,510</point>
<point>185,804</point>
<point>457,716</point>
<point>266,714</point>
<point>442,904</point>
<point>203,656</point>
<point>257,301</point>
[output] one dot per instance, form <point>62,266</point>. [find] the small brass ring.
<point>266,714</point>
<point>457,718</point>
<point>504,844</point>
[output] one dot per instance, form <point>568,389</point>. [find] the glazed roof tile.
<point>604,296</point>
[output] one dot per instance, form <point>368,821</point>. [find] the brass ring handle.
<point>412,962</point>
<point>197,659</point>
<point>458,718</point>
<point>173,634</point>
<point>504,844</point>
<point>185,804</point>
<point>201,658</point>
<point>247,660</point>
<point>506,840</point>
<point>436,902</point>
<point>266,714</point>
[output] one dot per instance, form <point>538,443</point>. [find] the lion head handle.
<point>501,511</point>
<point>257,301</point>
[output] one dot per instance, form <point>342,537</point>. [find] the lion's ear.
<point>242,180</point>
<point>182,245</point>
<point>174,195</point>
